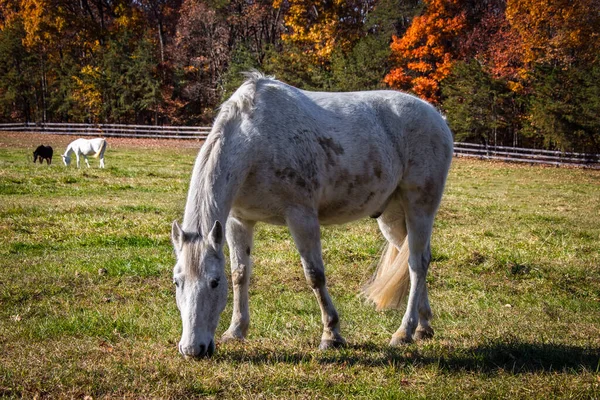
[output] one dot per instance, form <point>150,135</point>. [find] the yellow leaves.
<point>516,87</point>
<point>86,91</point>
<point>126,17</point>
<point>318,27</point>
<point>32,13</point>
<point>556,31</point>
<point>9,12</point>
<point>43,22</point>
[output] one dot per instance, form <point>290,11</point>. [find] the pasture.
<point>87,305</point>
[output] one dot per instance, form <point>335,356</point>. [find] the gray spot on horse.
<point>331,149</point>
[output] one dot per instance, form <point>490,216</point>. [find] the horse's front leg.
<point>305,229</point>
<point>77,159</point>
<point>239,238</point>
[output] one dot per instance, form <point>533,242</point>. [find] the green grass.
<point>87,306</point>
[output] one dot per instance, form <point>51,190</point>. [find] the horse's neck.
<point>215,180</point>
<point>69,150</point>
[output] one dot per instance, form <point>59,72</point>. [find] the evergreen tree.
<point>17,76</point>
<point>242,60</point>
<point>362,68</point>
<point>478,107</point>
<point>564,108</point>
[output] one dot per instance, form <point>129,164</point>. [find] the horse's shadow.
<point>512,355</point>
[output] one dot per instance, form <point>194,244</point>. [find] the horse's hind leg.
<point>424,329</point>
<point>239,238</point>
<point>419,230</point>
<point>101,162</point>
<point>420,211</point>
<point>304,227</point>
<point>392,224</point>
<point>86,161</point>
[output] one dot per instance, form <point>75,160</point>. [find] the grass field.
<point>87,306</point>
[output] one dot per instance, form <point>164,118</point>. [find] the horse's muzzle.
<point>198,351</point>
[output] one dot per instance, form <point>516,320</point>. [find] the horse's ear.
<point>177,237</point>
<point>216,236</point>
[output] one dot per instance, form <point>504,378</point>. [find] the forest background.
<point>503,72</point>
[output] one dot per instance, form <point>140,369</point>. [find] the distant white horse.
<point>291,157</point>
<point>85,147</point>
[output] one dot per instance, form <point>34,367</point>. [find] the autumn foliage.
<point>319,27</point>
<point>425,54</point>
<point>513,72</point>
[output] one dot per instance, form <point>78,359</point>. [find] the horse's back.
<point>342,154</point>
<point>87,146</point>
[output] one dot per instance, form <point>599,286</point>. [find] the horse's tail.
<point>100,152</point>
<point>390,284</point>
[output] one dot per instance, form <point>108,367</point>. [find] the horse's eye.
<point>214,283</point>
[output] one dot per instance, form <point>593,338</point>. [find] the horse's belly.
<point>258,214</point>
<point>341,209</point>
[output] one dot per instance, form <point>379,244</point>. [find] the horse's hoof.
<point>230,337</point>
<point>400,339</point>
<point>327,344</point>
<point>424,333</point>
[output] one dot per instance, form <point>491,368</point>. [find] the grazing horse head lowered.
<point>85,147</point>
<point>42,153</point>
<point>291,157</point>
<point>201,295</point>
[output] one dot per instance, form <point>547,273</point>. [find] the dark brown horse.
<point>43,153</point>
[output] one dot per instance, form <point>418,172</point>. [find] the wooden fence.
<point>523,155</point>
<point>111,130</point>
<point>502,153</point>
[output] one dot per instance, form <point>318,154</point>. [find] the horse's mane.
<point>201,201</point>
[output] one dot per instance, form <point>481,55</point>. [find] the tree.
<point>201,53</point>
<point>363,67</point>
<point>559,32</point>
<point>424,55</point>
<point>163,14</point>
<point>17,75</point>
<point>495,44</point>
<point>478,107</point>
<point>316,28</point>
<point>564,108</point>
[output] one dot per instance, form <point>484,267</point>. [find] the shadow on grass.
<point>513,356</point>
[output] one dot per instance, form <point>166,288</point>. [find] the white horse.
<point>282,155</point>
<point>85,147</point>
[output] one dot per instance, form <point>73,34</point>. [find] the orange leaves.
<point>424,55</point>
<point>420,66</point>
<point>397,78</point>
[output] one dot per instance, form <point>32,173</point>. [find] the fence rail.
<point>502,153</point>
<point>111,130</point>
<point>524,155</point>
